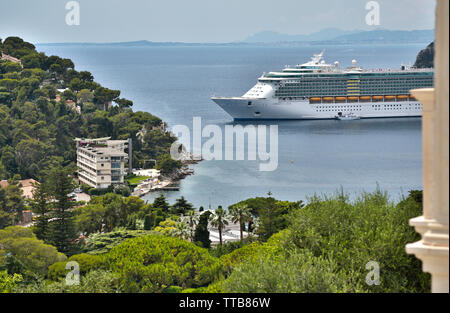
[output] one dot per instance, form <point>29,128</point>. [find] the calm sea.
<point>315,157</point>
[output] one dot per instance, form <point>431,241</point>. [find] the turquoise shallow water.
<point>175,83</point>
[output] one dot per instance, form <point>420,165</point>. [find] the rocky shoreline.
<point>167,181</point>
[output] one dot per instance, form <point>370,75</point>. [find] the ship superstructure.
<point>317,90</point>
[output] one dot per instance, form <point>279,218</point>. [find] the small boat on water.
<point>347,117</point>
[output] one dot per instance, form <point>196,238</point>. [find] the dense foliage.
<point>99,243</point>
<point>38,123</point>
<point>153,263</point>
<point>107,212</point>
<point>8,283</point>
<point>270,214</point>
<point>331,240</point>
<point>425,58</point>
<point>86,262</point>
<point>11,203</point>
<point>22,253</point>
<point>324,247</point>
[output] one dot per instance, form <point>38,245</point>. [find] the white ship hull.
<point>243,108</point>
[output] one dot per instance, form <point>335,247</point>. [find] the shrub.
<point>226,248</point>
<point>327,246</point>
<point>154,262</point>
<point>96,281</point>
<point>296,273</point>
<point>253,251</point>
<point>86,262</point>
<point>8,282</point>
<point>370,229</point>
<point>100,243</point>
<point>22,253</point>
<point>173,289</point>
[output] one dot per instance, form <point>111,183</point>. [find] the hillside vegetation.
<point>325,246</point>
<point>38,123</point>
<point>425,58</point>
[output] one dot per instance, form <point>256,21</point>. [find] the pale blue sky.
<point>42,21</point>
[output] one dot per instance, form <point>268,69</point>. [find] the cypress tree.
<point>40,206</point>
<point>62,233</point>
<point>148,222</point>
<point>201,234</point>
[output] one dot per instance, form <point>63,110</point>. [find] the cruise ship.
<point>317,90</point>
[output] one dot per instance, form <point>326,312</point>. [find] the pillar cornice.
<point>433,248</point>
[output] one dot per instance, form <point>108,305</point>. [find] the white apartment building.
<point>102,162</point>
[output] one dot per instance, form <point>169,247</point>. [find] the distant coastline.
<point>324,37</point>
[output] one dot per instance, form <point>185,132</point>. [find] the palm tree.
<point>192,220</point>
<point>181,231</point>
<point>219,220</point>
<point>240,214</point>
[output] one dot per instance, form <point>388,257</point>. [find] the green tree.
<point>86,262</point>
<point>299,273</point>
<point>106,212</point>
<point>95,281</point>
<point>124,103</point>
<point>40,206</point>
<point>161,203</point>
<point>153,263</point>
<point>11,203</point>
<point>181,206</point>
<point>166,164</point>
<point>103,95</point>
<point>60,183</point>
<point>192,219</point>
<point>100,243</point>
<point>22,253</point>
<point>29,152</point>
<point>148,222</point>
<point>182,230</point>
<point>201,235</point>
<point>240,214</point>
<point>8,283</point>
<point>31,60</point>
<point>273,216</point>
<point>85,95</point>
<point>8,159</point>
<point>219,220</point>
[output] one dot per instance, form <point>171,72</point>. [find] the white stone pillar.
<point>433,225</point>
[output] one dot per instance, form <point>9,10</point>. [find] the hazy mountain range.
<point>335,35</point>
<point>325,36</point>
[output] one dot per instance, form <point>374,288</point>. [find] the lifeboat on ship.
<point>377,98</point>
